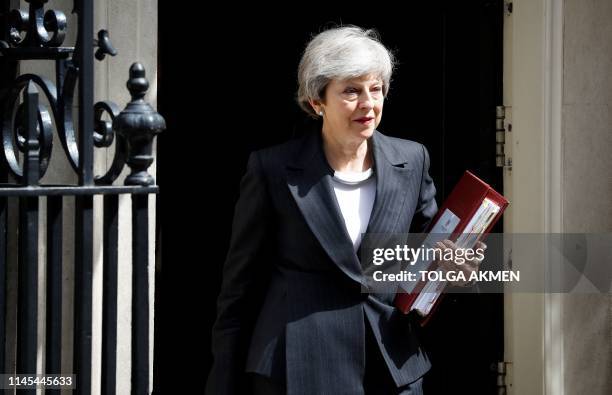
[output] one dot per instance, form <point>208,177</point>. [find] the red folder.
<point>464,201</point>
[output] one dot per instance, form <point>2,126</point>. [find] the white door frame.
<point>533,81</point>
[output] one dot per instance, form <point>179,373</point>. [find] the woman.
<point>291,309</point>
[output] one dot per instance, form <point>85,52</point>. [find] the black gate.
<point>27,134</point>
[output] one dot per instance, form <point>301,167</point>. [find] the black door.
<point>239,96</point>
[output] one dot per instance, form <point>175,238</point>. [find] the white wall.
<point>525,187</point>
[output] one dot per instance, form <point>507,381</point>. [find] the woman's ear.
<point>316,105</point>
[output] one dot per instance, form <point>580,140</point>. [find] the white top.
<point>355,193</point>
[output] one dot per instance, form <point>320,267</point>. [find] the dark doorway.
<point>229,89</point>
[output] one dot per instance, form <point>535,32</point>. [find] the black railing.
<point>27,135</point>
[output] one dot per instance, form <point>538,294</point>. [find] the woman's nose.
<point>366,102</point>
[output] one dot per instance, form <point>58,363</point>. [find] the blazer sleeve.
<point>426,205</point>
<point>244,275</point>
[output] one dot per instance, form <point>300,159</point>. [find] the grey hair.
<point>341,53</point>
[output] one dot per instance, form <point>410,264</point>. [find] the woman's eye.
<point>350,90</point>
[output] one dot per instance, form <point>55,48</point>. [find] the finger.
<point>446,266</point>
<point>481,245</point>
<point>469,270</point>
<point>464,267</point>
<point>474,263</point>
<point>454,267</point>
<point>442,244</point>
<point>442,247</point>
<point>449,244</point>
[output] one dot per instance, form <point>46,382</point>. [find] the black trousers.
<point>376,381</point>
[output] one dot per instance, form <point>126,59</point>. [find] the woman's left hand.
<point>468,267</point>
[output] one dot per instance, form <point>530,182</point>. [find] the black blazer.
<point>291,305</point>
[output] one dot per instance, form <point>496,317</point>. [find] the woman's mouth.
<point>364,120</point>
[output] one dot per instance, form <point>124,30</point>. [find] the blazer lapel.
<point>309,180</point>
<point>392,184</point>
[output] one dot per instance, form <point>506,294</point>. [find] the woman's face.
<point>352,108</point>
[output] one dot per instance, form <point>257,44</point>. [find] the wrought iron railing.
<point>27,138</point>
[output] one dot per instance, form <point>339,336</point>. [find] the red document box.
<point>468,215</point>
